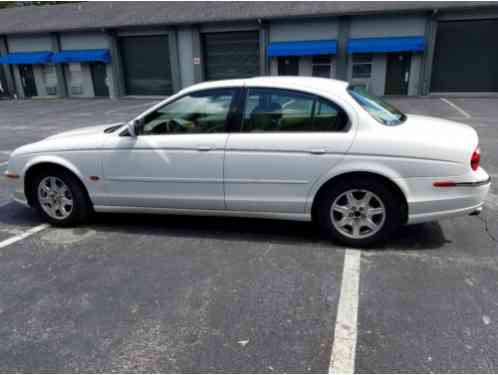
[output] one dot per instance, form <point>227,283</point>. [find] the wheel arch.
<point>387,181</point>
<point>39,164</point>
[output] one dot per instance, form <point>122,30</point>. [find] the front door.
<point>176,159</point>
<point>99,76</point>
<point>398,73</point>
<point>288,141</point>
<point>288,66</point>
<point>28,80</point>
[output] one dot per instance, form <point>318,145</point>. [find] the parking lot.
<point>140,293</point>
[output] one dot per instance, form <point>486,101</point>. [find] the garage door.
<point>146,65</point>
<point>466,57</point>
<point>231,55</point>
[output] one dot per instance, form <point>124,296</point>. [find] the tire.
<point>69,214</point>
<point>383,207</point>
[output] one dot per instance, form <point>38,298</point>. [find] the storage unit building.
<point>105,49</point>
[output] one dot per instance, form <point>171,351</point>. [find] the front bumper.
<point>15,188</point>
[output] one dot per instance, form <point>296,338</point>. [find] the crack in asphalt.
<point>486,229</point>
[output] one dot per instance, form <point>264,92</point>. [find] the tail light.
<point>475,159</point>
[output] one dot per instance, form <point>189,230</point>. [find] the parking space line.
<point>342,359</point>
<point>454,106</point>
<point>10,241</point>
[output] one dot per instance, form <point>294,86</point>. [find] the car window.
<point>275,110</point>
<point>383,112</point>
<point>270,110</point>
<point>198,112</point>
<point>329,117</point>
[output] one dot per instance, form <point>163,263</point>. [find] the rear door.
<point>288,140</point>
<point>28,80</point>
<point>398,73</point>
<point>99,79</point>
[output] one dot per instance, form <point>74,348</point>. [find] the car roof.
<point>289,82</point>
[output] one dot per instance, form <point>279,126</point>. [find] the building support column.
<point>59,68</point>
<point>174,59</point>
<point>428,57</point>
<point>197,53</point>
<point>7,69</point>
<point>264,36</point>
<point>342,53</point>
<point>18,82</point>
<point>115,76</point>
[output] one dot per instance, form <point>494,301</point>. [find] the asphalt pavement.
<point>144,293</point>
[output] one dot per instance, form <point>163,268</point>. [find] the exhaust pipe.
<point>476,212</point>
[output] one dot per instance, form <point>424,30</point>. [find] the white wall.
<point>286,31</point>
<point>281,31</point>
<point>77,41</point>
<point>31,43</point>
<point>383,26</point>
<point>34,43</point>
<point>79,75</point>
<point>388,26</point>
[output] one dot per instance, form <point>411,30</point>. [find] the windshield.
<point>383,112</point>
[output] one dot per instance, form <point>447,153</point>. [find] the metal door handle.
<point>318,151</point>
<point>204,148</point>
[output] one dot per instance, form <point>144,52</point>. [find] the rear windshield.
<point>383,112</point>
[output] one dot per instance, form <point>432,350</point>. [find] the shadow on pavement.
<point>414,237</point>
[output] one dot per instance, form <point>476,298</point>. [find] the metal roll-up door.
<point>466,57</point>
<point>231,54</point>
<point>146,65</point>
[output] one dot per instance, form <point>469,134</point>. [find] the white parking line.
<point>10,241</point>
<point>453,105</point>
<point>344,345</point>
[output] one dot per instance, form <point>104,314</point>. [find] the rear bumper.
<point>465,198</point>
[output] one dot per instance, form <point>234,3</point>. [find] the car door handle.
<point>318,151</point>
<point>204,148</point>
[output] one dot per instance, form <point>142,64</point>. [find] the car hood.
<point>89,130</point>
<point>78,139</point>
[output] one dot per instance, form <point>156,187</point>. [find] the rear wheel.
<point>359,213</point>
<point>59,198</point>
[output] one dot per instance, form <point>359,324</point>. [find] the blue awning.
<point>27,58</point>
<point>84,55</point>
<point>393,44</point>
<point>302,48</point>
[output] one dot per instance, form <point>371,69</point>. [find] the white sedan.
<point>271,147</point>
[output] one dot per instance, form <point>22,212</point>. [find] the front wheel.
<point>359,213</point>
<point>59,198</point>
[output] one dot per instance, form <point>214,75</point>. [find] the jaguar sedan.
<point>291,148</point>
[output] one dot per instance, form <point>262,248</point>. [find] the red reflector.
<point>444,184</point>
<point>475,159</point>
<point>11,175</point>
<point>94,178</point>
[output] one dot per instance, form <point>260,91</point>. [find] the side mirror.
<point>133,125</point>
